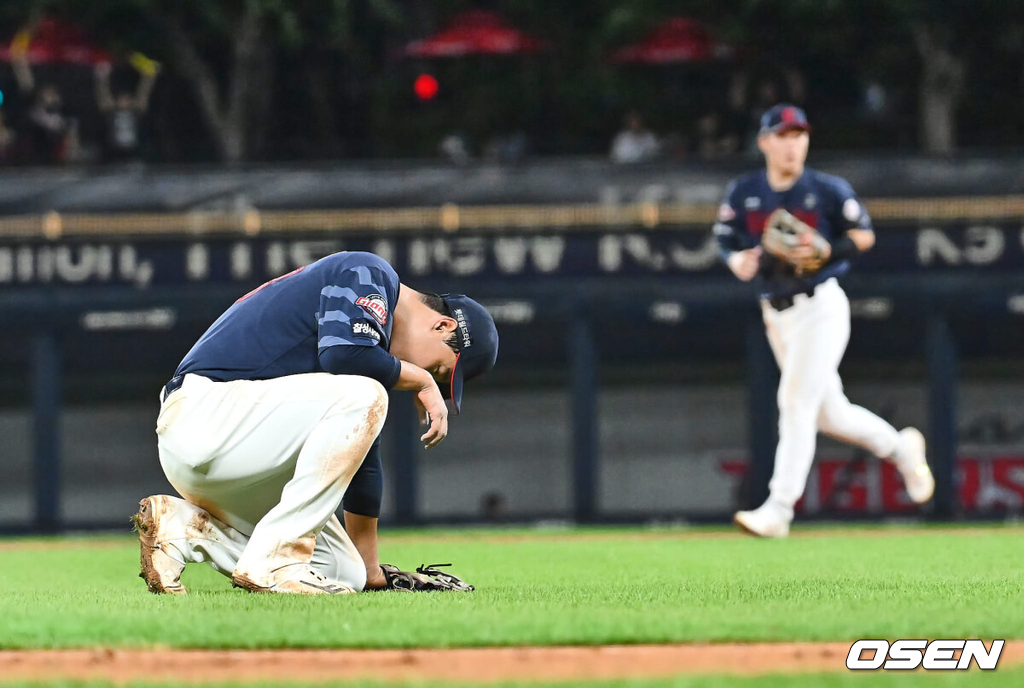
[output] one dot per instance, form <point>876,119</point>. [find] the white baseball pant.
<point>808,340</point>
<point>270,460</point>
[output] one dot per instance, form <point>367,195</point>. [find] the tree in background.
<point>938,47</point>
<point>228,52</point>
<point>315,78</point>
<point>941,87</point>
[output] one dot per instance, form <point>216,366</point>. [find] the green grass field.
<point>539,587</point>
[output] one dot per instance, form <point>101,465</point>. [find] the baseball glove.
<point>424,579</point>
<point>795,242</point>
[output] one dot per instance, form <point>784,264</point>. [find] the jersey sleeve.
<point>367,361</point>
<point>848,210</point>
<point>729,227</point>
<point>355,308</point>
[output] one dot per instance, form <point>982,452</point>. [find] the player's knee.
<point>351,571</point>
<point>357,577</point>
<point>798,410</point>
<point>833,412</point>
<point>373,398</point>
<point>345,569</point>
<point>355,395</point>
<point>825,424</point>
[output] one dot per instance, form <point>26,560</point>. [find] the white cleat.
<point>293,579</point>
<point>767,521</point>
<point>913,466</point>
<point>160,569</point>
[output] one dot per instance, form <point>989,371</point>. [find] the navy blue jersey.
<point>282,327</point>
<point>824,202</point>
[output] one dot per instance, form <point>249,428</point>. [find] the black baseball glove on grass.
<point>424,579</point>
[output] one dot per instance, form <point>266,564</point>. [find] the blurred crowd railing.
<point>453,218</point>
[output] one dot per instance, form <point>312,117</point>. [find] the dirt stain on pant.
<point>198,526</point>
<point>342,466</point>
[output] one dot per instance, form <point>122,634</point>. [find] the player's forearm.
<point>852,244</point>
<point>413,378</point>
<point>863,238</point>
<point>363,532</point>
<point>728,242</point>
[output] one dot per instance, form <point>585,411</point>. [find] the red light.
<point>425,87</point>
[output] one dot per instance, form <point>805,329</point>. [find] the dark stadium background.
<point>634,383</point>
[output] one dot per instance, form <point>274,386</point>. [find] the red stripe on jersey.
<point>808,217</point>
<point>757,219</point>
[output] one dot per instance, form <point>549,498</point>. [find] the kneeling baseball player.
<point>798,229</point>
<point>271,423</point>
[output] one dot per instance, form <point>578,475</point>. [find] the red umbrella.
<point>679,39</point>
<point>56,42</point>
<point>475,33</point>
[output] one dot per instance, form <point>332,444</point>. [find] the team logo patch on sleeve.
<point>851,210</point>
<point>375,305</point>
<point>363,328</point>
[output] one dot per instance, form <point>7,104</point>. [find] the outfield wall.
<point>666,452</point>
<point>633,380</point>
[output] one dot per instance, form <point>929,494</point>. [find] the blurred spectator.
<point>635,143</point>
<point>455,148</point>
<point>51,134</point>
<point>8,141</point>
<point>674,145</point>
<point>123,111</point>
<point>710,139</point>
<point>875,101</point>
<point>507,149</point>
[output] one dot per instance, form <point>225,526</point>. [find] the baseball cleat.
<point>767,521</point>
<point>160,570</point>
<point>913,466</point>
<point>303,581</point>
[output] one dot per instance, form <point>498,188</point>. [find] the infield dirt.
<point>461,665</point>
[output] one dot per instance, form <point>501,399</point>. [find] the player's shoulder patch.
<point>364,328</point>
<point>376,305</point>
<point>852,210</point>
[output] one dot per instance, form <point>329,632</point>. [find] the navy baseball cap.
<point>477,338</point>
<point>783,118</point>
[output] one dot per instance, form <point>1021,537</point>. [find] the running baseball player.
<point>271,423</point>
<point>798,230</point>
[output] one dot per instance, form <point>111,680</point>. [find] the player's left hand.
<point>433,412</point>
<point>808,256</point>
<point>795,242</point>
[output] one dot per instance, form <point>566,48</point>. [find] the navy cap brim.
<point>783,127</point>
